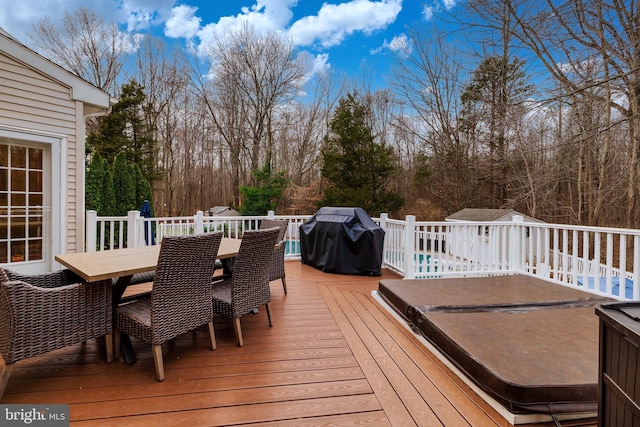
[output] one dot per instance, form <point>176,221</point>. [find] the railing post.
<point>636,267</point>
<point>516,263</point>
<point>92,231</point>
<point>383,224</point>
<point>271,215</point>
<point>410,247</point>
<point>383,221</point>
<point>198,223</point>
<point>141,238</point>
<point>132,228</point>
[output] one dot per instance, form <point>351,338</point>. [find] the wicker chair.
<point>277,264</point>
<point>180,300</point>
<point>45,312</point>
<point>248,286</point>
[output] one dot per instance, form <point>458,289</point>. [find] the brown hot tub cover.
<point>530,344</point>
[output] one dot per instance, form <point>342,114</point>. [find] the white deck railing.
<point>605,261</point>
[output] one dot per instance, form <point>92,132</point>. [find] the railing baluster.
<point>609,267</point>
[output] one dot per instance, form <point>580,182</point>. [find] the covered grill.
<point>342,240</point>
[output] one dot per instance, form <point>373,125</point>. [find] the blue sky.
<point>337,34</point>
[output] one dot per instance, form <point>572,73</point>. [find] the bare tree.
<point>586,44</point>
<point>165,78</point>
<point>251,76</point>
<point>428,83</point>
<point>85,45</point>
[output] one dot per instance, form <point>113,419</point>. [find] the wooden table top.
<point>109,264</point>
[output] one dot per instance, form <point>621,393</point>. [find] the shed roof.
<point>223,211</point>
<point>473,214</point>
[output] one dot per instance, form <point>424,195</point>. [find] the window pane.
<point>17,251</point>
<point>3,252</point>
<point>4,155</point>
<point>18,227</point>
<point>18,199</point>
<point>35,249</point>
<point>35,181</point>
<point>18,157</point>
<point>4,227</point>
<point>35,227</point>
<point>34,200</point>
<point>35,159</point>
<point>18,180</point>
<point>4,181</point>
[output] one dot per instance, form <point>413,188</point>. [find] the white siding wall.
<point>32,101</point>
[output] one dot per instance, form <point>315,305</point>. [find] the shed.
<point>222,211</point>
<point>473,214</point>
<point>43,109</point>
<point>482,241</point>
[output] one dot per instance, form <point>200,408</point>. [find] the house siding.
<point>32,101</point>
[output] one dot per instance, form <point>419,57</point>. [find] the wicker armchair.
<point>180,300</point>
<point>277,264</point>
<point>44,312</point>
<point>248,286</point>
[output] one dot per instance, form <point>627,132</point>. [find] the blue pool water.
<point>615,285</point>
<point>292,247</point>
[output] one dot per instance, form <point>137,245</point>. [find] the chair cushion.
<point>221,292</point>
<point>134,318</point>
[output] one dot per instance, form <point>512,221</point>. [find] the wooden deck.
<point>334,356</point>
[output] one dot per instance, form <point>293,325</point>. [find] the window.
<point>22,202</point>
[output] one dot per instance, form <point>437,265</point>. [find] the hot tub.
<point>530,344</point>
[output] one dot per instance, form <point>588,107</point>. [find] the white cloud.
<point>317,65</point>
<point>321,64</point>
<point>400,44</point>
<point>313,66</point>
<point>427,13</point>
<point>17,17</point>
<point>335,22</point>
<point>183,22</point>
<point>277,12</point>
<point>449,4</point>
<point>266,15</point>
<point>141,14</point>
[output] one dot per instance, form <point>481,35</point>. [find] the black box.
<point>619,365</point>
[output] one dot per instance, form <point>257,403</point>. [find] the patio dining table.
<point>122,264</point>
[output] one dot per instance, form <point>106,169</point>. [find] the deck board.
<point>334,356</point>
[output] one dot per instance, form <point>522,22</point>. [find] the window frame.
<point>54,193</point>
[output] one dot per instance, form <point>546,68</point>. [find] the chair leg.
<point>108,341</point>
<point>212,335</point>
<point>116,344</point>
<point>157,360</point>
<point>268,305</point>
<point>4,379</point>
<point>284,285</point>
<point>238,329</point>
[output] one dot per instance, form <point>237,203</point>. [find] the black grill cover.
<point>343,241</point>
